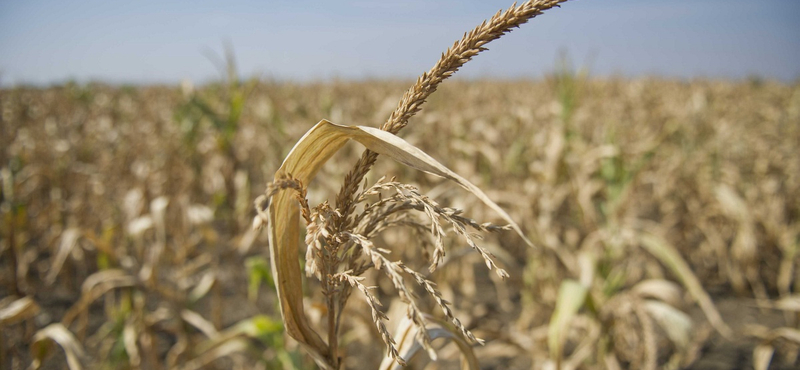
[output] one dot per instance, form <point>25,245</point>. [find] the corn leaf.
<point>790,334</point>
<point>407,345</point>
<point>69,240</point>
<point>789,303</point>
<point>315,148</point>
<point>59,334</point>
<point>663,290</point>
<point>94,287</point>
<point>199,322</point>
<point>18,310</point>
<point>670,257</point>
<point>571,296</point>
<point>259,327</point>
<point>674,322</point>
<point>762,356</point>
<point>235,345</point>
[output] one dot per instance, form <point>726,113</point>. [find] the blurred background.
<point>647,148</point>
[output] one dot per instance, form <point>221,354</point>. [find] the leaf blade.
<point>302,163</point>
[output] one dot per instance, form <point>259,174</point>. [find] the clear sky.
<point>144,41</point>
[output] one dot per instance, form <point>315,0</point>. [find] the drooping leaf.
<point>18,310</point>
<point>235,345</point>
<point>59,334</point>
<point>661,289</point>
<point>199,322</point>
<point>674,322</point>
<point>315,148</point>
<point>408,345</point>
<point>94,287</point>
<point>670,257</point>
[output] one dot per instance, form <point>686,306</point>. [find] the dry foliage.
<point>664,215</point>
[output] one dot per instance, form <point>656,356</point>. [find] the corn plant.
<point>338,239</point>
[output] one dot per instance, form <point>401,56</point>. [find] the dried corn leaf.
<point>18,310</point>
<point>158,208</point>
<point>790,334</point>
<point>59,334</point>
<point>326,138</point>
<point>587,265</point>
<point>69,239</point>
<point>129,339</point>
<point>762,356</point>
<point>199,322</point>
<point>676,323</point>
<point>571,296</point>
<point>731,202</point>
<point>660,289</point>
<point>111,277</point>
<point>408,346</point>
<point>235,345</point>
<point>203,287</point>
<point>670,257</point>
<point>302,163</point>
<point>789,303</point>
<point>94,287</point>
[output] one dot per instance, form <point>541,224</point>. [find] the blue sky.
<point>145,41</point>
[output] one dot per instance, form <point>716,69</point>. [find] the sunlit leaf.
<point>59,334</point>
<point>203,287</point>
<point>670,257</point>
<point>18,310</point>
<point>199,322</point>
<point>227,348</point>
<point>302,163</point>
<point>762,356</point>
<point>94,287</point>
<point>69,239</point>
<point>676,323</point>
<point>660,289</point>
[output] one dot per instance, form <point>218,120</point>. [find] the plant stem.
<point>333,335</point>
<point>12,255</point>
<point>329,287</point>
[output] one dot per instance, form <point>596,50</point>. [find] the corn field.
<point>644,223</point>
<point>664,219</point>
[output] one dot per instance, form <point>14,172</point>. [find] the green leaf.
<point>571,297</point>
